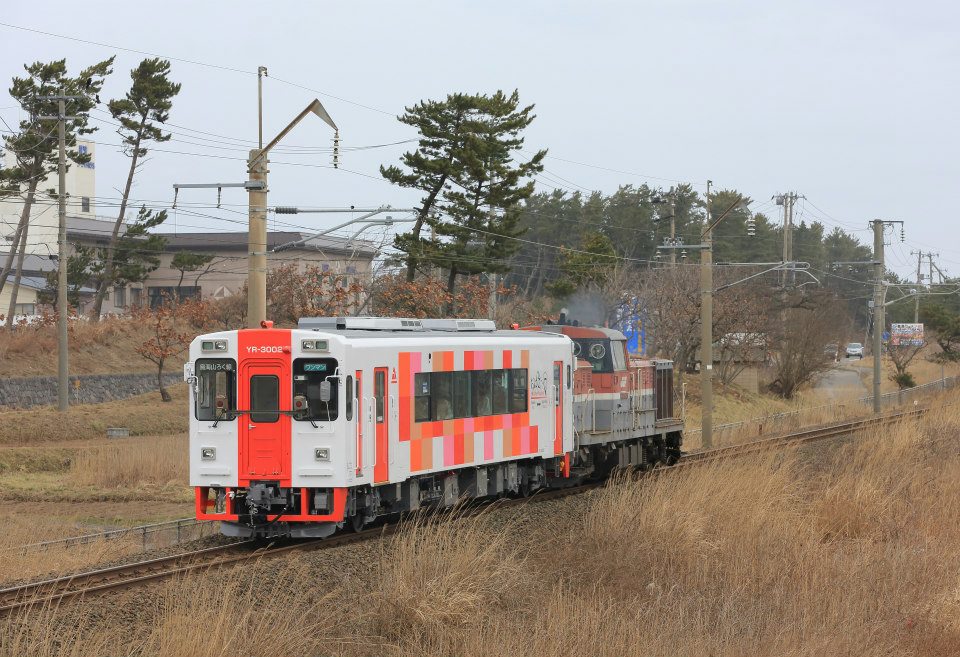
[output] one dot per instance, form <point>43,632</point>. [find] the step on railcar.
<point>299,432</point>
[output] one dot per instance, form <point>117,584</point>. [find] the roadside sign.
<point>906,335</point>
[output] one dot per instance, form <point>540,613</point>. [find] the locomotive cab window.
<point>308,374</point>
<point>216,389</point>
<point>618,350</point>
<point>597,351</point>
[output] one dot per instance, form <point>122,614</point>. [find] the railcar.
<point>300,432</point>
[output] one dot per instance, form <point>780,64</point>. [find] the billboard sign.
<point>906,335</point>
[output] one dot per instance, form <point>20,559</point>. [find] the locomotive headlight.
<point>208,453</point>
<point>321,453</point>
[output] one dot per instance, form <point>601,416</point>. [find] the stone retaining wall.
<point>84,389</point>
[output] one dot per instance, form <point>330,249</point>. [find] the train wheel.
<point>358,522</point>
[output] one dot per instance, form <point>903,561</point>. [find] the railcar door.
<point>558,407</point>
<point>381,465</point>
<point>264,431</point>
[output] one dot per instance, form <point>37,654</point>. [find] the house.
<point>226,273</point>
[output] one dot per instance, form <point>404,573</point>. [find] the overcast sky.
<point>853,104</point>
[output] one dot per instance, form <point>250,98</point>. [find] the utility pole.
<point>878,318</point>
<point>63,309</point>
<point>63,365</point>
<point>916,298</point>
<point>879,296</point>
<point>673,226</point>
<point>787,201</point>
<point>706,329</point>
<point>261,72</point>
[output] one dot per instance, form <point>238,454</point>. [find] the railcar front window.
<point>264,398</point>
<point>216,389</point>
<point>308,374</point>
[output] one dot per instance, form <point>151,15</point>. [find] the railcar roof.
<point>432,334</point>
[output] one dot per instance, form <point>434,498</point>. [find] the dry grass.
<point>859,556</point>
<point>133,463</point>
<point>20,563</point>
<point>143,414</point>
<point>104,347</point>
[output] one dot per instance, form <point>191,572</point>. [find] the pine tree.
<point>35,144</point>
<point>141,114</point>
<point>136,252</point>
<point>473,188</point>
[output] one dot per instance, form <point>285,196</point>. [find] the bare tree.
<point>900,357</point>
<point>803,327</point>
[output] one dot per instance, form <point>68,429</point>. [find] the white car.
<point>855,350</point>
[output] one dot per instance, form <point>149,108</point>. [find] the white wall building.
<point>81,202</point>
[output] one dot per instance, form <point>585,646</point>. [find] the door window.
<point>264,398</point>
<point>379,384</point>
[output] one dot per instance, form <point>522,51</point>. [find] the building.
<point>225,275</point>
<point>44,224</point>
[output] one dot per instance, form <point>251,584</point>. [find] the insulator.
<point>903,235</point>
<point>683,254</point>
<point>285,210</point>
<point>336,149</point>
<point>656,256</point>
<point>751,227</point>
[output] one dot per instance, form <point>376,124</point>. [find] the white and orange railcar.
<point>300,431</point>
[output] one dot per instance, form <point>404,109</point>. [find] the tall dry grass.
<point>849,550</point>
<point>18,563</point>
<point>157,460</point>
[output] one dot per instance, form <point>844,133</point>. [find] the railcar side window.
<point>348,393</point>
<point>482,389</point>
<point>217,389</point>
<point>501,392</point>
<point>421,384</point>
<point>477,393</point>
<point>442,397</point>
<point>308,374</point>
<point>461,394</point>
<point>518,391</point>
<point>264,398</point>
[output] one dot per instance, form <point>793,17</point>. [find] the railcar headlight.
<point>321,453</point>
<point>220,345</point>
<point>208,453</point>
<point>213,345</point>
<point>315,345</point>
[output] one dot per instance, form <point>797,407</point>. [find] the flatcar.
<point>344,420</point>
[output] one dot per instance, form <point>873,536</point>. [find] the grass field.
<point>857,554</point>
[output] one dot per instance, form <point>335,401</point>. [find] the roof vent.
<point>359,323</point>
<point>459,325</point>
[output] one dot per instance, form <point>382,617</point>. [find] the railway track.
<point>115,578</point>
<point>800,436</point>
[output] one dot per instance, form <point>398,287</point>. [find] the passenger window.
<point>482,389</point>
<point>518,391</point>
<point>216,389</point>
<point>308,374</point>
<point>461,394</point>
<point>501,392</point>
<point>379,385</point>
<point>264,398</point>
<point>421,383</point>
<point>568,377</point>
<point>442,397</point>
<point>349,397</point>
